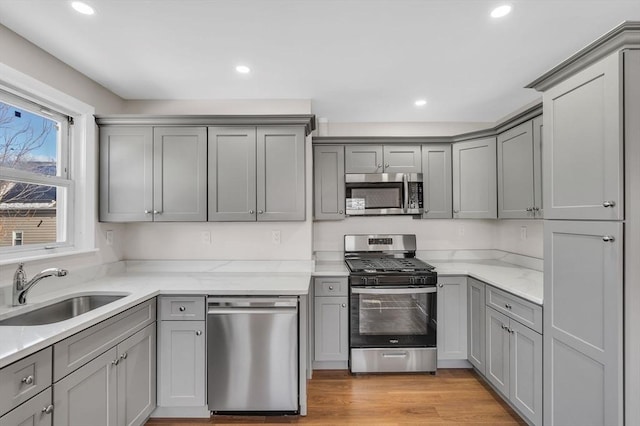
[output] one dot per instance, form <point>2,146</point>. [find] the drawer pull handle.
<point>608,239</point>
<point>27,380</point>
<point>508,306</point>
<point>48,409</point>
<point>609,204</point>
<point>182,309</point>
<point>198,333</point>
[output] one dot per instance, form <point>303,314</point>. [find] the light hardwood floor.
<point>452,397</point>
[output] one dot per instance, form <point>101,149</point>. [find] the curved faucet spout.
<point>21,286</point>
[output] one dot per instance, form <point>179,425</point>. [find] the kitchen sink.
<point>60,311</point>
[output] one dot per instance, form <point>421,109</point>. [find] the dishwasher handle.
<point>227,310</point>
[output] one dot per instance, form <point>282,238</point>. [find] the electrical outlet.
<point>275,237</point>
<point>205,237</point>
<point>109,237</point>
<point>523,233</point>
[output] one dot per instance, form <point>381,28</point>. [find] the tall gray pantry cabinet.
<point>591,106</point>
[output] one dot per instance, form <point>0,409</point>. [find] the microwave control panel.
<point>415,195</point>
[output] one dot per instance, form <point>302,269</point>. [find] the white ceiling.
<point>357,60</point>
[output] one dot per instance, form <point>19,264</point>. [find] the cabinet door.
<point>402,159</point>
<point>515,173</point>
<point>363,159</point>
<point>34,412</point>
<point>583,144</point>
<point>180,174</point>
<point>476,323</point>
<point>452,318</point>
<point>525,371</point>
<point>126,174</point>
<point>232,173</point>
<point>137,377</point>
<point>474,179</point>
<point>538,127</point>
<point>331,328</point>
<point>181,364</point>
<point>328,182</point>
<point>88,396</point>
<point>280,173</point>
<point>436,171</point>
<point>497,359</point>
<point>583,308</point>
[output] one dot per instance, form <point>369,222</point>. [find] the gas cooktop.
<point>387,265</point>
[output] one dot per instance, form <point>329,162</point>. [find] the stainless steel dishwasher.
<point>252,354</point>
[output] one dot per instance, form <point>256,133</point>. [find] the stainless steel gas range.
<point>392,303</point>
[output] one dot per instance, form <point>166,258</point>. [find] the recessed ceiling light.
<point>243,69</point>
<point>501,11</point>
<point>420,102</point>
<point>83,8</point>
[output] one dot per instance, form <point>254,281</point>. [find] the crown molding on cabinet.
<point>500,127</point>
<point>624,36</point>
<point>306,120</point>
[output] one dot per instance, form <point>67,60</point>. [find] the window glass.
<point>34,188</point>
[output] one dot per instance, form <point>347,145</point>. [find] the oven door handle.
<point>404,290</point>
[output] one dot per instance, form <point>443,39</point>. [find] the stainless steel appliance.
<point>384,193</point>
<point>252,355</point>
<point>392,303</point>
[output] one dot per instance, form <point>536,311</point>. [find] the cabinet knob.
<point>251,212</point>
<point>147,212</point>
<point>508,306</point>
<point>608,239</point>
<point>27,380</point>
<point>330,287</point>
<point>123,356</point>
<point>157,212</point>
<point>440,285</point>
<point>341,211</point>
<point>260,211</point>
<point>536,209</point>
<point>344,305</point>
<point>379,166</point>
<point>198,332</point>
<point>456,211</point>
<point>609,204</point>
<point>386,165</point>
<point>48,409</point>
<point>115,361</point>
<point>529,209</point>
<point>182,309</point>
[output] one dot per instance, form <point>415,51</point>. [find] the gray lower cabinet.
<point>116,388</point>
<point>436,172</point>
<point>181,363</point>
<point>331,320</point>
<point>383,159</point>
<point>474,179</point>
<point>37,411</point>
<point>519,172</point>
<point>452,319</point>
<point>328,182</point>
<point>476,324</point>
<point>583,323</point>
<point>256,173</point>
<point>514,363</point>
<point>152,174</point>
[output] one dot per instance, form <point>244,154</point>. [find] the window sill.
<point>29,256</point>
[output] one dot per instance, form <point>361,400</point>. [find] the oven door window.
<point>393,317</point>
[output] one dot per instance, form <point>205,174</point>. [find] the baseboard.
<point>330,365</point>
<point>185,412</point>
<point>454,363</point>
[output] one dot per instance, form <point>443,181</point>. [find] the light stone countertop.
<point>141,281</point>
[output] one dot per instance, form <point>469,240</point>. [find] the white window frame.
<point>81,192</point>
<point>17,236</point>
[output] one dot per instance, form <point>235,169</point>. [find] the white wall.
<point>509,237</point>
<point>223,107</point>
<point>401,129</point>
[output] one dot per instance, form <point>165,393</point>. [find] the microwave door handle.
<point>405,181</point>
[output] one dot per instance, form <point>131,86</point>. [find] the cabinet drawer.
<point>77,350</point>
<point>514,307</point>
<point>182,308</point>
<point>24,379</point>
<point>334,286</point>
<point>31,413</point>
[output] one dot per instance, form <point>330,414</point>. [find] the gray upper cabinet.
<point>474,179</point>
<point>519,191</point>
<point>436,172</point>
<point>583,323</point>
<point>256,173</point>
<point>126,174</point>
<point>179,174</point>
<point>383,159</point>
<point>583,144</point>
<point>152,174</point>
<point>328,182</point>
<point>232,174</point>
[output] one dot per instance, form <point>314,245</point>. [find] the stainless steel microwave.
<point>384,194</point>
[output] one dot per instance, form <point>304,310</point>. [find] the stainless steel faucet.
<point>21,286</point>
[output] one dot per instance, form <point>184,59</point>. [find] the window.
<point>17,238</point>
<point>35,187</point>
